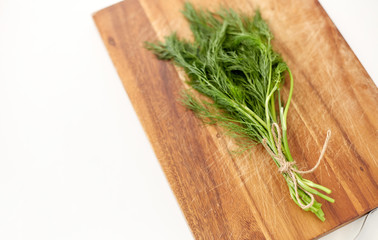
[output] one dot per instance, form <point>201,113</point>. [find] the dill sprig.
<point>232,62</point>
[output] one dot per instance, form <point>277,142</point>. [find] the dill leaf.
<point>232,62</point>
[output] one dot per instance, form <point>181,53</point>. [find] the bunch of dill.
<point>231,61</point>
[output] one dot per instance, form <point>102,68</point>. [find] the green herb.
<point>231,61</point>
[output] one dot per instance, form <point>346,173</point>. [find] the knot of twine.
<point>288,167</point>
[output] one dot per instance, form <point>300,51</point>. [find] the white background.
<point>74,160</point>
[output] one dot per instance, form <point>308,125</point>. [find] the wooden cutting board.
<point>229,196</point>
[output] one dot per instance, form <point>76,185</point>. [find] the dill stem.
<point>268,117</point>
<point>314,185</point>
<point>304,183</point>
<point>290,95</point>
<point>280,108</point>
<point>284,127</point>
<point>313,191</point>
<point>250,112</point>
<point>273,108</point>
<point>268,96</point>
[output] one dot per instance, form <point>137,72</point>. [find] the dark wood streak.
<point>245,187</point>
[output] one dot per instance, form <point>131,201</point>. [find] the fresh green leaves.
<point>232,62</point>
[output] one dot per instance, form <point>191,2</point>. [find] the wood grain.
<point>228,196</point>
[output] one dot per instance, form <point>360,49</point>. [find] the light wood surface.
<point>229,196</point>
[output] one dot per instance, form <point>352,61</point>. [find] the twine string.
<point>288,167</point>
